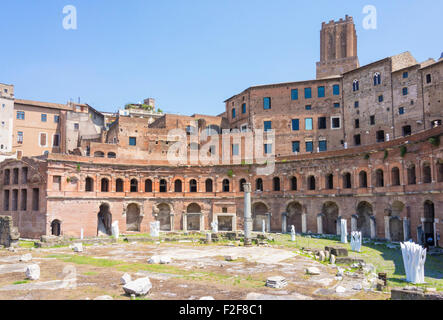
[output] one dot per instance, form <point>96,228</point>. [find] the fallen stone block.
<point>207,298</point>
<point>276,282</point>
<point>313,271</point>
<point>139,287</point>
<point>26,257</point>
<point>77,247</point>
<point>125,279</point>
<point>104,298</point>
<point>33,272</point>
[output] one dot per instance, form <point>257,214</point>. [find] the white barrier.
<point>344,231</point>
<point>356,239</point>
<point>414,258</point>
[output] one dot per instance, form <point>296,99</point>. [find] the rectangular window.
<point>20,115</point>
<point>405,75</point>
<point>405,91</point>
<point>76,126</point>
<point>322,123</point>
<point>20,137</point>
<point>56,183</point>
<point>336,90</point>
<point>56,140</point>
<point>235,149</point>
<point>35,199</point>
<point>308,107</point>
<point>132,141</point>
<point>44,117</point>
<point>357,123</point>
<point>372,120</point>
<point>308,93</point>
<point>56,119</point>
<point>335,123</point>
<point>294,94</point>
<point>267,103</point>
<point>309,146</point>
<point>401,110</point>
<point>308,124</point>
<point>356,104</point>
<point>322,145</point>
<point>380,98</point>
<point>24,200</point>
<point>243,108</point>
<point>337,105</point>
<point>233,113</point>
<point>295,146</point>
<point>380,136</point>
<point>6,200</point>
<point>268,148</point>
<point>321,92</point>
<point>428,78</point>
<point>42,139</point>
<point>295,124</point>
<point>267,125</point>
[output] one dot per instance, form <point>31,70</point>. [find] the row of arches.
<point>101,154</point>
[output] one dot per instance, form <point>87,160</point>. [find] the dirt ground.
<point>195,271</point>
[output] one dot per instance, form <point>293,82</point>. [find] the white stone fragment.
<point>125,279</point>
<point>33,272</point>
<point>139,287</point>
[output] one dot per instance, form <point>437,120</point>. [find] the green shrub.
<point>403,151</point>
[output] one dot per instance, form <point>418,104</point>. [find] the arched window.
<point>294,184</point>
<point>99,154</point>
<point>330,181</point>
<point>163,186</point>
<point>56,228</point>
<point>89,184</point>
<point>193,185</point>
<point>377,78</point>
<point>395,176</point>
<point>148,185</point>
<point>311,183</point>
<point>119,185</point>
<point>363,177</point>
<point>226,185</point>
<point>355,85</point>
<point>259,184</point>
<point>347,181</point>
<point>276,183</point>
<point>439,171</point>
<point>412,178</point>
<point>105,185</point>
<point>379,178</point>
<point>134,185</point>
<point>208,185</point>
<point>427,176</point>
<point>112,155</point>
<point>178,186</point>
<point>242,182</point>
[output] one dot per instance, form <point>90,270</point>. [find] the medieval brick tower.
<point>338,48</point>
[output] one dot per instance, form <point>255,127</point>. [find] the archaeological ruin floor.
<point>198,270</point>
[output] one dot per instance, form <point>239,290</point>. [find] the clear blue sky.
<point>190,55</point>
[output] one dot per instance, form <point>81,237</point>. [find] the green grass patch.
<point>26,244</point>
<point>20,282</point>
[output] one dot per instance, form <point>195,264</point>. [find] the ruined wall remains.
<point>8,233</point>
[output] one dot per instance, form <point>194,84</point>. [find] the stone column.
<point>387,231</point>
<point>284,227</point>
<point>353,223</point>
<point>406,234</point>
<point>338,226</point>
<point>248,214</point>
<point>435,231</point>
<point>202,222</point>
<point>319,224</point>
<point>373,228</point>
<point>304,225</point>
<point>268,223</point>
<point>185,222</point>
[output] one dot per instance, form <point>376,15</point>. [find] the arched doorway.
<point>133,218</point>
<point>395,223</point>
<point>56,228</point>
<point>259,213</point>
<point>104,221</point>
<point>295,211</point>
<point>428,224</point>
<point>330,211</point>
<point>164,216</point>
<point>193,217</point>
<point>364,213</point>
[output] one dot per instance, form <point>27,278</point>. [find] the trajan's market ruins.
<point>360,144</point>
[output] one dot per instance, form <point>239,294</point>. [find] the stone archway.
<point>56,228</point>
<point>164,217</point>
<point>295,212</point>
<point>133,217</point>
<point>104,221</point>
<point>193,216</point>
<point>364,214</point>
<point>331,214</point>
<point>259,213</point>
